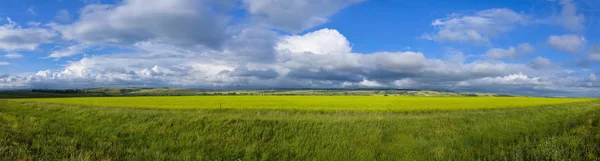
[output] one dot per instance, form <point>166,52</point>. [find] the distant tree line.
<point>58,90</point>
<point>63,91</point>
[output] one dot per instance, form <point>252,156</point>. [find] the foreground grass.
<point>32,130</point>
<point>320,103</point>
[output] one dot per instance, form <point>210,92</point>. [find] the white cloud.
<point>556,83</point>
<point>14,37</point>
<point>512,79</point>
<point>515,83</point>
<point>178,22</point>
<point>567,43</point>
<point>478,27</point>
<point>297,15</point>
<point>368,83</point>
<point>4,63</point>
<point>383,67</point>
<point>540,63</point>
<point>13,55</point>
<point>69,51</point>
<point>319,42</point>
<point>568,17</point>
<point>511,52</point>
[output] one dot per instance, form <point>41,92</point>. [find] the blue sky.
<point>533,47</point>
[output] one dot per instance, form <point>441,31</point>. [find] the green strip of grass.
<point>45,131</point>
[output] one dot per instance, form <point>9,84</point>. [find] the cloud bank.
<point>189,43</point>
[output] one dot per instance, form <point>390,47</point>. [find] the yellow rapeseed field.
<point>325,103</point>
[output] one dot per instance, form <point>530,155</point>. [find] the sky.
<point>526,47</point>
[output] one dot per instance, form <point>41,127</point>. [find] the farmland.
<point>299,128</point>
<point>335,103</point>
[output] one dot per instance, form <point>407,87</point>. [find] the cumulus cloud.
<point>13,55</point>
<point>4,63</point>
<point>368,83</point>
<point>512,79</point>
<point>319,42</point>
<point>314,65</point>
<point>567,43</point>
<point>14,37</point>
<point>178,22</point>
<point>382,67</point>
<point>511,52</point>
<point>295,16</point>
<point>478,27</point>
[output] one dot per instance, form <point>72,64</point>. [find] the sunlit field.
<point>299,128</point>
<point>323,103</point>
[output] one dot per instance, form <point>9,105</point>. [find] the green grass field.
<point>300,128</point>
<point>323,103</point>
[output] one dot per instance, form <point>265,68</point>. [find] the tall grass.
<point>32,130</point>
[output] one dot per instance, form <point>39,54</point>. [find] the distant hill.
<point>201,92</point>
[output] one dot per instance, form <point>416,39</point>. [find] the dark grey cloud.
<point>261,74</point>
<point>325,76</point>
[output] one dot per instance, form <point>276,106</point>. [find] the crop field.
<point>299,128</point>
<point>319,103</point>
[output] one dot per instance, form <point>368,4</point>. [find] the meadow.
<point>300,128</point>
